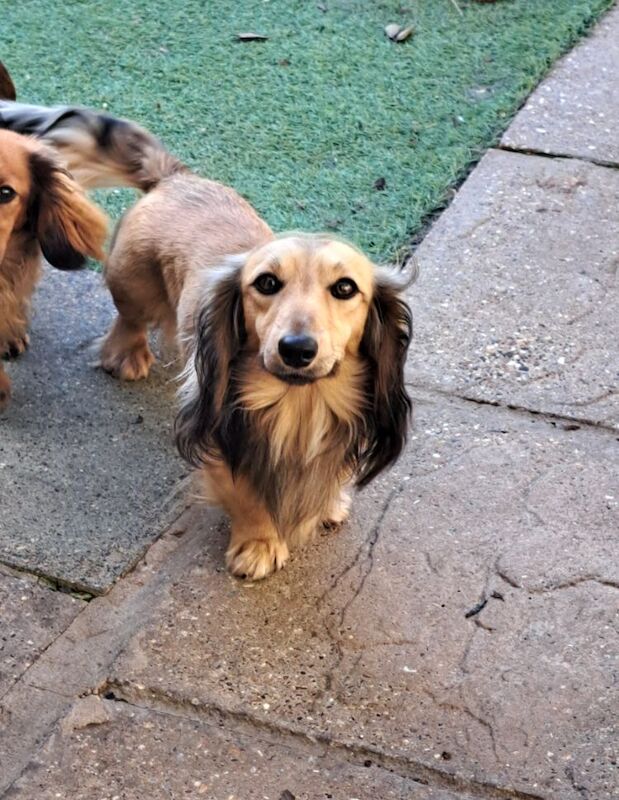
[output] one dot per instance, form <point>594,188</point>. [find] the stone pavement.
<point>575,111</point>
<point>77,505</point>
<point>457,640</point>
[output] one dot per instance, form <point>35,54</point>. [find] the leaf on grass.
<point>404,34</point>
<point>251,37</point>
<point>392,30</point>
<point>397,33</point>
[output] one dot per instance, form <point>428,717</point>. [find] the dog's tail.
<point>98,150</point>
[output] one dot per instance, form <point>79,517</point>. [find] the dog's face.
<point>40,199</point>
<point>15,183</point>
<point>305,303</point>
<point>300,305</point>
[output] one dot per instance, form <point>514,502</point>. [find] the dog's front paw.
<point>131,365</point>
<point>254,559</point>
<point>338,513</point>
<point>14,347</point>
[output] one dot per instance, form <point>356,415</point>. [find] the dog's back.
<point>163,244</point>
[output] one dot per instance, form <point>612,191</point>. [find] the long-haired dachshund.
<point>42,210</point>
<point>294,345</point>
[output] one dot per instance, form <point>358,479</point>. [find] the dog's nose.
<point>298,351</point>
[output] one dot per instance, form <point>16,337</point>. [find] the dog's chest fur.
<point>300,440</point>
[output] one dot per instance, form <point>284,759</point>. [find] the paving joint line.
<point>531,151</point>
<point>214,713</point>
<point>173,507</point>
<point>48,581</point>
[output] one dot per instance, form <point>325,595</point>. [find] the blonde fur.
<point>300,421</point>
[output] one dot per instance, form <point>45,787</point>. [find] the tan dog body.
<point>41,207</point>
<point>164,268</point>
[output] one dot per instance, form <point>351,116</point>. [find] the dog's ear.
<point>66,224</point>
<point>385,342</point>
<point>7,88</point>
<point>219,338</point>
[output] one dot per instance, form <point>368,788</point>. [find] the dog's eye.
<point>344,289</point>
<point>7,193</point>
<point>267,283</point>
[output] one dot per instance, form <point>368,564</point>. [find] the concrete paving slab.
<point>575,111</point>
<point>19,737</point>
<point>31,617</point>
<point>79,660</point>
<point>86,463</point>
<point>109,750</point>
<point>517,302</point>
<point>460,625</point>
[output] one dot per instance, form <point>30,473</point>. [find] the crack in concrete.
<point>567,584</point>
<point>464,708</point>
<point>485,596</point>
<point>171,510</point>
<point>597,399</point>
<point>368,564</point>
<point>504,576</point>
<point>549,417</point>
<point>484,625</point>
<point>433,569</point>
<point>479,224</point>
<point>582,790</point>
<point>23,676</point>
<point>526,500</point>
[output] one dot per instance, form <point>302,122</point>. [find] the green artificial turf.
<point>306,123</point>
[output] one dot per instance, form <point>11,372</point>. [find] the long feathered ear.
<point>219,338</point>
<point>385,342</point>
<point>7,88</point>
<point>67,225</point>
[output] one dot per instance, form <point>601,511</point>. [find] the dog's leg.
<point>14,339</point>
<point>339,511</point>
<point>16,288</point>
<point>255,549</point>
<point>5,389</point>
<point>125,352</point>
<point>141,299</point>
